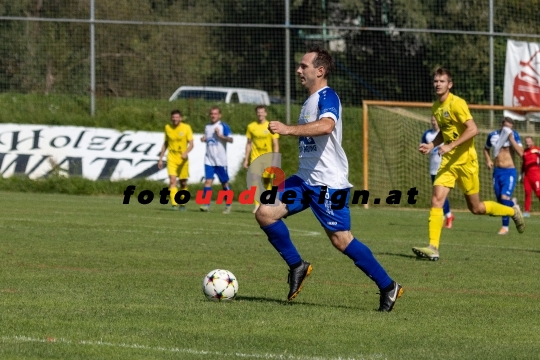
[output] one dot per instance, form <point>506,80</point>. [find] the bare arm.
<point>320,127</point>
<point>489,162</point>
<point>163,148</point>
<point>189,148</point>
<point>248,152</point>
<point>470,132</point>
<point>275,145</point>
<point>514,144</point>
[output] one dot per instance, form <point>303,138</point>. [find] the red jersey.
<point>531,159</point>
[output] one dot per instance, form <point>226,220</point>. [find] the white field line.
<point>25,339</point>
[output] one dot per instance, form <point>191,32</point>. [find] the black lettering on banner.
<point>15,140</point>
<point>146,151</point>
<point>76,145</point>
<point>21,162</point>
<point>74,166</point>
<point>153,169</point>
<point>126,143</point>
<point>103,140</point>
<point>109,167</point>
<point>66,141</point>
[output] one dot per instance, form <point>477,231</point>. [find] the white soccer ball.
<point>220,285</point>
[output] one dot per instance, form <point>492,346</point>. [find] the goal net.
<point>391,161</point>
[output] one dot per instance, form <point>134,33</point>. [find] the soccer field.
<point>89,278</point>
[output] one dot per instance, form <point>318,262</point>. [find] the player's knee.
<point>263,215</point>
<point>476,209</point>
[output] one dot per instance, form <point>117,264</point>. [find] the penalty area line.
<point>27,339</point>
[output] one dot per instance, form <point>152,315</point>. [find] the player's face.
<point>434,124</point>
<point>215,115</point>
<point>529,142</point>
<point>175,119</point>
<point>261,115</point>
<point>442,85</point>
<point>507,124</point>
<point>307,73</point>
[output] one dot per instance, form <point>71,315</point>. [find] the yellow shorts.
<point>466,176</point>
<point>178,168</point>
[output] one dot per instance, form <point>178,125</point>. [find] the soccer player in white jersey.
<point>504,172</point>
<point>434,164</point>
<point>216,136</point>
<point>321,183</point>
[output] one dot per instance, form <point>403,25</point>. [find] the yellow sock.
<point>436,219</point>
<point>495,209</point>
<point>174,190</point>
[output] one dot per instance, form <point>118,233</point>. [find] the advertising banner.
<point>522,77</point>
<point>97,153</point>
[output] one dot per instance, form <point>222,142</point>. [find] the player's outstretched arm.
<point>320,127</point>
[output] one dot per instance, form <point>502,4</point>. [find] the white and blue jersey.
<point>434,157</point>
<point>216,148</point>
<point>504,179</point>
<point>494,136</point>
<point>322,159</point>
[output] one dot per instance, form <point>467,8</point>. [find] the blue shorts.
<point>220,171</point>
<point>504,181</point>
<point>333,211</point>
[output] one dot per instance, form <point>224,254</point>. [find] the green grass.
<point>85,277</point>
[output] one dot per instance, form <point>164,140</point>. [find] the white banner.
<point>97,153</point>
<point>522,77</point>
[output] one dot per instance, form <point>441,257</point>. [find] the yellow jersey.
<point>261,139</point>
<point>177,139</point>
<point>451,116</point>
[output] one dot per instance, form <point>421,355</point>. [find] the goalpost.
<point>392,132</point>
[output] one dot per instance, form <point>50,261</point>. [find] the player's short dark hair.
<point>323,59</point>
<point>439,71</point>
<point>508,120</point>
<point>176,111</point>
<point>260,107</point>
<point>215,108</point>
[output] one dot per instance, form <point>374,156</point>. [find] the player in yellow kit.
<point>179,142</point>
<point>459,164</point>
<point>259,140</point>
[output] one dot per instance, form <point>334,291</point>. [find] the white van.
<point>222,94</point>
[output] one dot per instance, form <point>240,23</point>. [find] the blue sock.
<point>205,190</point>
<point>278,235</point>
<point>364,259</point>
<point>506,219</point>
<point>446,206</point>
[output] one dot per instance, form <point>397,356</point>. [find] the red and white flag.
<point>522,77</point>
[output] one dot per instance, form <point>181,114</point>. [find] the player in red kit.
<point>531,172</point>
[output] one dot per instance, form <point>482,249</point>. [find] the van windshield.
<point>202,94</point>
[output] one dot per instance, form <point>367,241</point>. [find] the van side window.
<point>234,98</point>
